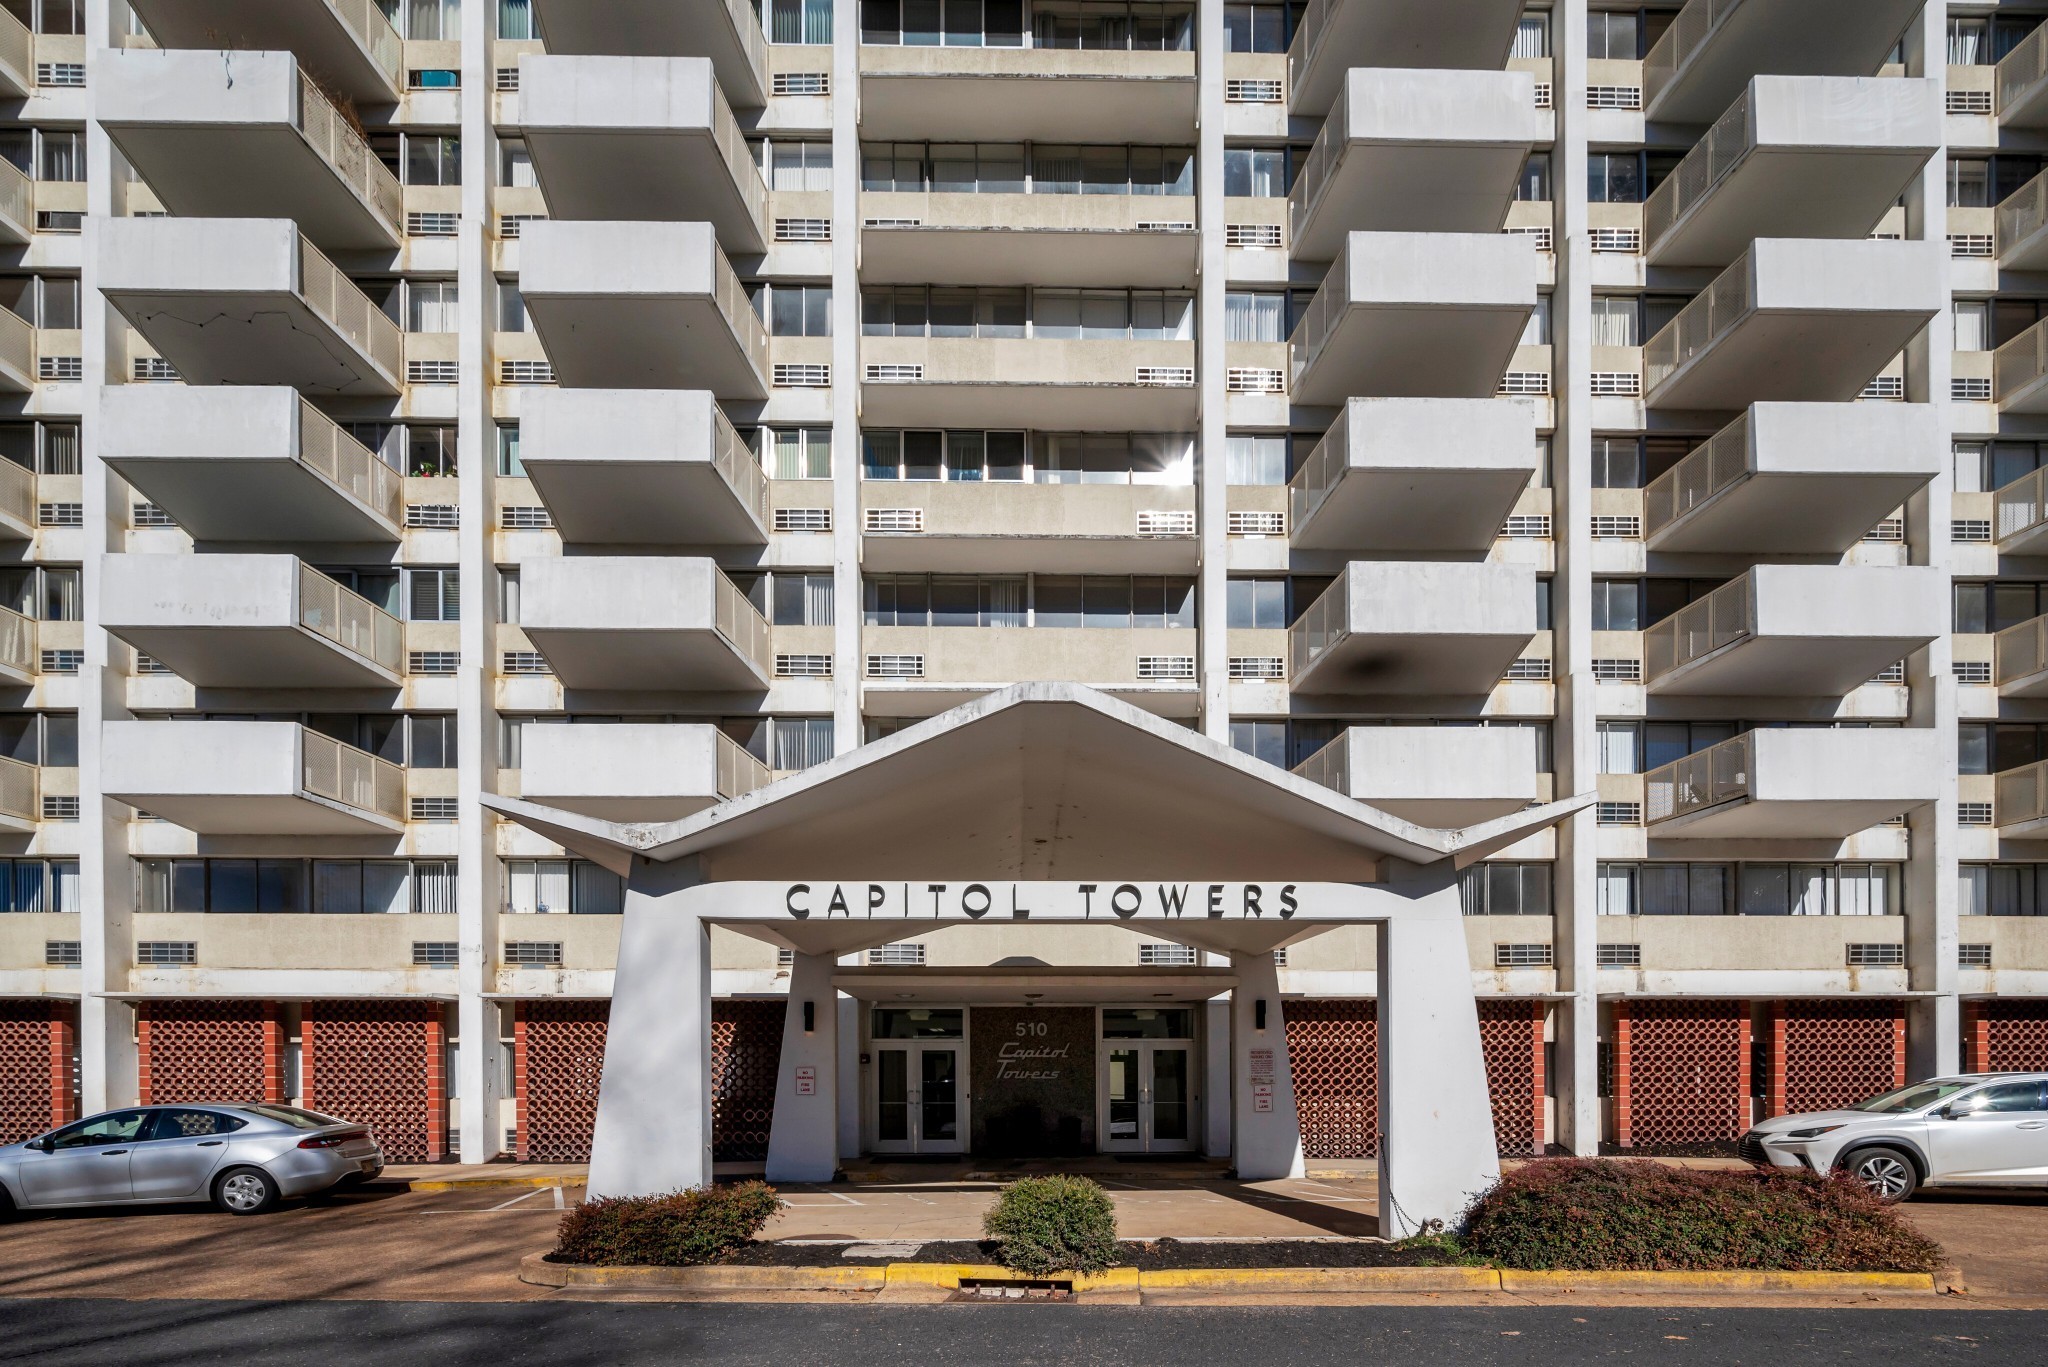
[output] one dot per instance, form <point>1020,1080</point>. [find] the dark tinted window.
<point>179,1123</point>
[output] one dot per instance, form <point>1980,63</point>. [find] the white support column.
<point>1216,1132</point>
<point>1212,471</point>
<point>846,586</point>
<point>849,1075</point>
<point>654,1107</point>
<point>1265,1129</point>
<point>803,1133</point>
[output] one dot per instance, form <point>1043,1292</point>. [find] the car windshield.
<point>1912,1098</point>
<point>294,1117</point>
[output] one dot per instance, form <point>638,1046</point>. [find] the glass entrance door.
<point>1148,1098</point>
<point>920,1098</point>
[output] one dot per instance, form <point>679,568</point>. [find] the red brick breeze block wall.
<point>2009,1035</point>
<point>38,1047</point>
<point>380,1063</point>
<point>746,1052</point>
<point>1823,1055</point>
<point>196,1051</point>
<point>1681,1071</point>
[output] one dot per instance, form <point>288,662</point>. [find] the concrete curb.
<point>536,1270</point>
<point>473,1183</point>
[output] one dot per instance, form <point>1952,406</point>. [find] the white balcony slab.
<point>1795,784</point>
<point>1442,776</point>
<point>1796,479</point>
<point>1409,627</point>
<point>245,301</point>
<point>640,138</point>
<point>1416,151</point>
<point>1124,241</point>
<point>1714,47</point>
<point>1415,475</point>
<point>647,467</point>
<point>641,306</point>
<point>1119,386</point>
<point>348,44</point>
<point>643,623</point>
<point>1001,527</point>
<point>633,771</point>
<point>248,136</point>
<point>1815,631</point>
<point>998,94</point>
<point>248,463</point>
<point>1336,35</point>
<point>1794,156</point>
<point>1425,315</point>
<point>728,32</point>
<point>250,778</point>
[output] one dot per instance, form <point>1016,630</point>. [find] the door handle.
<point>210,1143</point>
<point>113,1153</point>
<point>2034,1125</point>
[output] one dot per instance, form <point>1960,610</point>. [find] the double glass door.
<point>1148,1099</point>
<point>920,1098</point>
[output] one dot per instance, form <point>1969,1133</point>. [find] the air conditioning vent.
<point>892,520</point>
<point>63,954</point>
<point>1618,671</point>
<point>505,80</point>
<point>1173,376</point>
<point>1254,380</point>
<point>433,372</point>
<point>803,230</point>
<point>1165,522</point>
<point>526,372</point>
<point>525,519</point>
<point>1166,668</point>
<point>440,517</point>
<point>803,666</point>
<point>1252,667</point>
<point>1255,524</point>
<point>1877,956</point>
<point>895,666</point>
<point>433,661</point>
<point>1521,956</point>
<point>892,374</point>
<point>803,519</point>
<point>533,953</point>
<point>1620,956</point>
<point>523,662</point>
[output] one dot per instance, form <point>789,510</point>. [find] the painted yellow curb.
<point>1311,1279</point>
<point>479,1183</point>
<point>1721,1283</point>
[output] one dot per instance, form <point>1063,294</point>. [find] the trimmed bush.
<point>1605,1215</point>
<point>681,1229</point>
<point>1054,1224</point>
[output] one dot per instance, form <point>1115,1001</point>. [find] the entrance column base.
<point>1265,1140</point>
<point>803,1134</point>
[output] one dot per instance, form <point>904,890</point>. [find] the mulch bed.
<point>1706,1148</point>
<point>1155,1256</point>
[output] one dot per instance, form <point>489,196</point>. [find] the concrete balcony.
<point>1405,627</point>
<point>18,502</point>
<point>251,778</point>
<point>1794,156</point>
<point>1804,784</point>
<point>19,348</point>
<point>728,32</point>
<point>21,805</point>
<point>1126,241</point>
<point>921,671</point>
<point>2022,84</point>
<point>249,137</point>
<point>1414,475</point>
<point>642,306</point>
<point>2022,512</point>
<point>1013,528</point>
<point>1337,35</point>
<point>1101,385</point>
<point>1416,315</point>
<point>248,464</point>
<point>1795,479</point>
<point>643,624</point>
<point>2022,227</point>
<point>17,59</point>
<point>641,138</point>
<point>2020,656</point>
<point>1714,47</point>
<point>1800,321</point>
<point>1805,631</point>
<point>20,658</point>
<point>2019,372</point>
<point>17,206</point>
<point>2020,802</point>
<point>1415,152</point>
<point>642,467</point>
<point>347,44</point>
<point>634,772</point>
<point>1445,776</point>
<point>249,621</point>
<point>246,301</point>
<point>1013,94</point>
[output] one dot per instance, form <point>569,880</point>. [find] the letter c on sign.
<point>789,901</point>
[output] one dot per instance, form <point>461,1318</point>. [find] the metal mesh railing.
<point>1329,767</point>
<point>1326,622</point>
<point>348,464</point>
<point>17,493</point>
<point>1321,317</point>
<point>1698,324</point>
<point>739,160</point>
<point>2021,795</point>
<point>350,620</point>
<point>1322,161</point>
<point>2024,212</point>
<point>17,46</point>
<point>17,195</point>
<point>1721,618</point>
<point>739,314</point>
<point>1308,34</point>
<point>742,626</point>
<point>1687,34</point>
<point>2024,66</point>
<point>739,773</point>
<point>1319,474</point>
<point>335,297</point>
<point>1717,774</point>
<point>366,19</point>
<point>2021,362</point>
<point>1706,166</point>
<point>17,343</point>
<point>342,773</point>
<point>2021,650</point>
<point>1716,467</point>
<point>20,797</point>
<point>341,147</point>
<point>734,459</point>
<point>17,642</point>
<point>2022,504</point>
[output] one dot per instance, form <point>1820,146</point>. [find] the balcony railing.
<point>1699,629</point>
<point>1323,314</point>
<point>349,311</point>
<point>2024,212</point>
<point>365,18</point>
<point>743,627</point>
<point>20,790</point>
<point>17,343</point>
<point>2021,650</point>
<point>348,464</point>
<point>739,773</point>
<point>2024,66</point>
<point>1706,166</point>
<point>1686,36</point>
<point>2022,504</point>
<point>1308,34</point>
<point>18,642</point>
<point>1319,474</point>
<point>341,147</point>
<point>739,314</point>
<point>2021,795</point>
<point>1322,160</point>
<point>17,194</point>
<point>17,493</point>
<point>1717,774</point>
<point>342,773</point>
<point>2020,362</point>
<point>350,620</point>
<point>1699,323</point>
<point>1704,474</point>
<point>739,160</point>
<point>1327,621</point>
<point>1329,767</point>
<point>734,460</point>
<point>17,46</point>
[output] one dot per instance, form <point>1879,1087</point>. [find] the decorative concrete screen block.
<point>381,1063</point>
<point>746,1050</point>
<point>558,1059</point>
<point>2005,1036</point>
<point>1681,1072</point>
<point>1828,1054</point>
<point>210,1051</point>
<point>38,1048</point>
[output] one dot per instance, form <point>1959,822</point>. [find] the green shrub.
<point>1602,1215</point>
<point>681,1229</point>
<point>1054,1224</point>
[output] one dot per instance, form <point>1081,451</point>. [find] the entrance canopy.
<point>1037,781</point>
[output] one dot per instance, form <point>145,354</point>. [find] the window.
<point>1536,332</point>
<point>789,598</point>
<point>515,165</point>
<point>1617,320</point>
<point>1115,601</point>
<point>1018,168</point>
<point>36,886</point>
<point>515,21</point>
<point>1612,35</point>
<point>511,308</point>
<point>1505,889</point>
<point>433,595</point>
<point>1533,187</point>
<point>1041,457</point>
<point>783,743</point>
<point>576,886</point>
<point>1259,316</point>
<point>1983,41</point>
<point>1001,23</point>
<point>1625,177</point>
<point>1747,889</point>
<point>46,593</point>
<point>43,447</point>
<point>1259,28</point>
<point>508,451</point>
<point>794,164</point>
<point>1256,460</point>
<point>1638,604</point>
<point>420,158</point>
<point>59,155</point>
<point>798,21</point>
<point>958,311</point>
<point>48,739</point>
<point>44,301</point>
<point>1991,607</point>
<point>431,306</point>
<point>2003,889</point>
<point>1973,325</point>
<point>1255,172</point>
<point>794,452</point>
<point>793,310</point>
<point>426,20</point>
<point>1256,603</point>
<point>1266,740</point>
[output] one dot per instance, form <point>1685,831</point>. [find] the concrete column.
<point>1265,1130</point>
<point>654,1106</point>
<point>849,1075</point>
<point>1216,1078</point>
<point>1212,471</point>
<point>803,1134</point>
<point>846,589</point>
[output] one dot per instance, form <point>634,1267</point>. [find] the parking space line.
<point>523,1196</point>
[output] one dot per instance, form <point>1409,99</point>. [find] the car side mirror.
<point>44,1145</point>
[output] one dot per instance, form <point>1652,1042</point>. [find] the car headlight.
<point>1814,1133</point>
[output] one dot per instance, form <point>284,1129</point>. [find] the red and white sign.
<point>807,1082</point>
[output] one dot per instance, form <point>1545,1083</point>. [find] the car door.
<point>183,1146</point>
<point>1996,1134</point>
<point>87,1163</point>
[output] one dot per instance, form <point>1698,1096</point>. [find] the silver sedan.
<point>243,1158</point>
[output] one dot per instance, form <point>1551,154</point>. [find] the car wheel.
<point>6,1206</point>
<point>245,1191</point>
<point>1888,1172</point>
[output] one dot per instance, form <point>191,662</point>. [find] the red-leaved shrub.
<point>681,1229</point>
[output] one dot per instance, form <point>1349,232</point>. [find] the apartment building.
<point>622,408</point>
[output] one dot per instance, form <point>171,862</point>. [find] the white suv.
<point>1984,1129</point>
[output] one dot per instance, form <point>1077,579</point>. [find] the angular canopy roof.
<point>1037,782</point>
